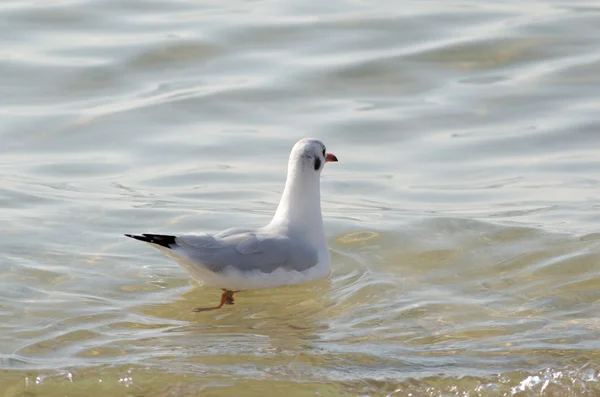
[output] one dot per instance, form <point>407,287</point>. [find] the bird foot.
<point>226,299</point>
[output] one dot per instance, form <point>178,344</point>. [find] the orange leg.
<point>226,299</point>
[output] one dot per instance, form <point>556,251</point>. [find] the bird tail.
<point>158,239</point>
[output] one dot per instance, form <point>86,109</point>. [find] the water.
<point>462,217</point>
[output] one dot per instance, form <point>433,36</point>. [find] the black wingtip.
<point>158,239</point>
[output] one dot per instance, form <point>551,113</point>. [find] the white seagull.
<point>291,249</point>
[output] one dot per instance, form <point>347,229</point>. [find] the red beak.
<point>330,157</point>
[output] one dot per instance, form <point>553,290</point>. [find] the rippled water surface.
<point>463,216</point>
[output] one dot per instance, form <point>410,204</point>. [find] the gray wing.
<point>247,251</point>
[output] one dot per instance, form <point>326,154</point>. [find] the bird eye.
<point>323,152</point>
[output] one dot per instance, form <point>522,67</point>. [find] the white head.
<point>301,200</point>
<point>309,156</point>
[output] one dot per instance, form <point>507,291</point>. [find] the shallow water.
<point>462,218</point>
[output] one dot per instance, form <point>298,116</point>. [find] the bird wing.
<point>247,251</point>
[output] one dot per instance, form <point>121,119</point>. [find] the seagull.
<point>290,250</point>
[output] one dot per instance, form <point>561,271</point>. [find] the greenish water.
<point>463,216</point>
